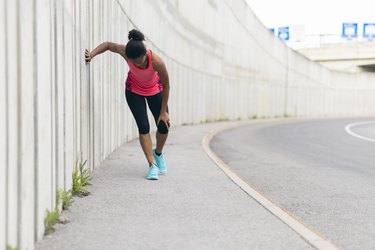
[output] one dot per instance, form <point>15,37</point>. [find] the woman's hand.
<point>165,118</point>
<point>87,56</point>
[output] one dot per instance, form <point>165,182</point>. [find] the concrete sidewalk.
<point>195,206</point>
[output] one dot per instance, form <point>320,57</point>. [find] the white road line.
<point>307,233</point>
<point>350,132</point>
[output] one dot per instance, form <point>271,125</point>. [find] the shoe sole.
<point>152,178</point>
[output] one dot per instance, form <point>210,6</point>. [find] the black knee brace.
<point>162,128</point>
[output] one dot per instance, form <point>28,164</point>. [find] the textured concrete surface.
<point>195,206</point>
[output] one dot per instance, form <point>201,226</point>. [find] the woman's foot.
<point>153,172</point>
<point>160,162</point>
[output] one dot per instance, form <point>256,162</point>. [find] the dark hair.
<point>135,46</point>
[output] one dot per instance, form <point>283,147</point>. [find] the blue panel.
<point>349,30</point>
<point>283,33</point>
<point>369,30</point>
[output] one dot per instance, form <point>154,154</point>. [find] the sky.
<point>317,17</point>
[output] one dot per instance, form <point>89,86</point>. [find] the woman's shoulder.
<point>156,60</point>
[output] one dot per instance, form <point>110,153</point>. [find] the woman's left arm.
<point>160,67</point>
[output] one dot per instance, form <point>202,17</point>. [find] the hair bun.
<point>136,35</point>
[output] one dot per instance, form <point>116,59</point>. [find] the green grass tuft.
<point>50,220</point>
<point>81,177</point>
<point>66,198</point>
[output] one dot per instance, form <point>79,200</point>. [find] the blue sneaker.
<point>153,172</point>
<point>160,162</point>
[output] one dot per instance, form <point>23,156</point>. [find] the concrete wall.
<point>55,110</point>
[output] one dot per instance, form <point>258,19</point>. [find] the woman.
<point>147,81</point>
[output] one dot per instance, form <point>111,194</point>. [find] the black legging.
<point>137,105</point>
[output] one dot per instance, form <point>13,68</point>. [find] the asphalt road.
<point>321,171</point>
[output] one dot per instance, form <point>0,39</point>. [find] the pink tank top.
<point>145,82</point>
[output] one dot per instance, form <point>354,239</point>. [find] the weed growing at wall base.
<point>221,119</point>
<point>85,174</point>
<point>50,220</point>
<point>66,198</point>
<point>81,177</point>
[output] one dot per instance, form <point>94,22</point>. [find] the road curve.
<point>321,171</point>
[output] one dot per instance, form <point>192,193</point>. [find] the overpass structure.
<point>348,57</point>
<point>55,110</point>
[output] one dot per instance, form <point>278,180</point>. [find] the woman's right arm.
<point>103,47</point>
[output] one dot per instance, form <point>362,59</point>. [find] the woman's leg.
<point>154,103</point>
<point>160,142</point>
<point>137,105</point>
<point>146,144</point>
